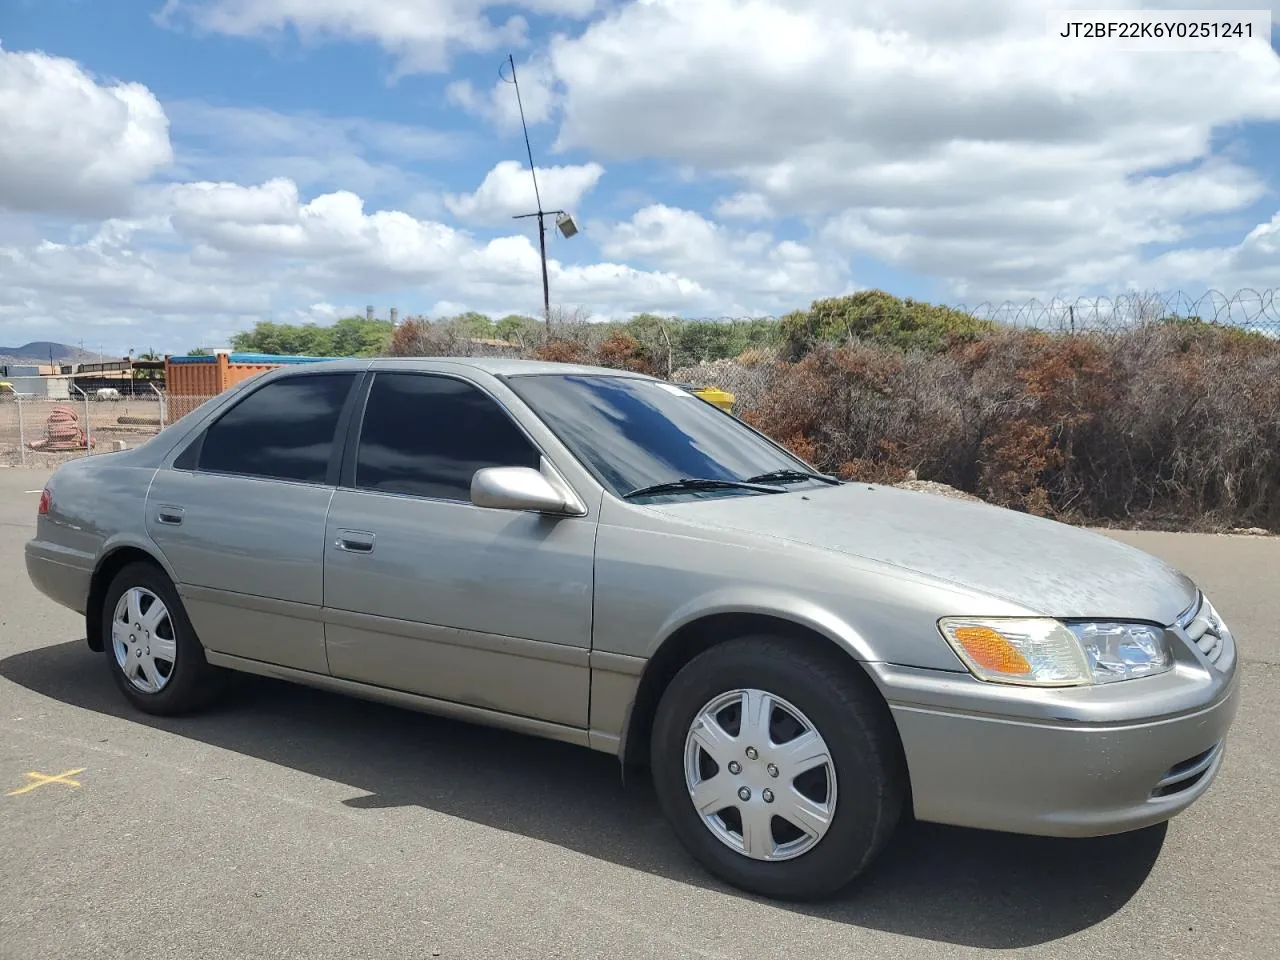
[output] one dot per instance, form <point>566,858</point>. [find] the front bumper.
<point>1064,762</point>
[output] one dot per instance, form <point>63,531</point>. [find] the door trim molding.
<point>618,663</point>
<point>454,636</point>
<point>372,623</point>
<point>249,601</point>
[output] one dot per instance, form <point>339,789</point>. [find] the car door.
<point>240,516</point>
<point>427,593</point>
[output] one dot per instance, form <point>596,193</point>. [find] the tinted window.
<point>634,433</point>
<point>428,436</point>
<point>284,430</point>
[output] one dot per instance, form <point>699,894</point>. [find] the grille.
<point>1204,628</point>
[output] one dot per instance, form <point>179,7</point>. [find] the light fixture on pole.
<point>566,225</point>
<point>564,222</point>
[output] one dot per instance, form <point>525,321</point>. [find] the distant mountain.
<point>38,351</point>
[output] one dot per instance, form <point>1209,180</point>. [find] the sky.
<point>173,172</point>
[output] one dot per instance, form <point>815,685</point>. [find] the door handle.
<point>354,541</point>
<point>169,515</point>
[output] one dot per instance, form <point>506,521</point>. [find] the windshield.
<point>634,433</point>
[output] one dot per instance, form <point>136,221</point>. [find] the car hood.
<point>1046,566</point>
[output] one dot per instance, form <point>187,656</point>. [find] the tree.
<point>349,337</point>
<point>359,337</point>
<point>880,318</point>
<point>283,338</point>
<point>654,347</point>
<point>420,337</point>
<point>473,324</point>
<point>622,351</point>
<point>516,328</point>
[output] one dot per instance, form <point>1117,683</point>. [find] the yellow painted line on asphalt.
<point>44,779</point>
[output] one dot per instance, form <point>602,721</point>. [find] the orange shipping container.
<point>191,380</point>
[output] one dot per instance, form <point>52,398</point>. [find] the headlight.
<point>1122,651</point>
<point>1047,653</point>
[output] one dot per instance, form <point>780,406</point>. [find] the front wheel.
<point>777,766</point>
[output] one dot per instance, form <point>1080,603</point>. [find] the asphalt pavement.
<point>292,823</point>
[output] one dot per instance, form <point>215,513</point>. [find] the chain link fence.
<point>44,432</point>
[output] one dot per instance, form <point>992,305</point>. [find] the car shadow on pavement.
<point>966,887</point>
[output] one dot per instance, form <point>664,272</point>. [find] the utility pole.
<point>563,221</point>
<point>542,249</point>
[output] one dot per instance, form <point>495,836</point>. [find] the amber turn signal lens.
<point>992,651</point>
<point>1031,651</point>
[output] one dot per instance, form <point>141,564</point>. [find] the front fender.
<point>777,604</point>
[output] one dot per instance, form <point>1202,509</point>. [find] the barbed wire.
<point>1250,308</point>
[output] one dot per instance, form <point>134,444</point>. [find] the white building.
<point>43,388</point>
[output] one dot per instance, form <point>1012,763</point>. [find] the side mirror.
<point>517,488</point>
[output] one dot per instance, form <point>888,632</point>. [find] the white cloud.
<point>71,145</point>
<point>422,34</point>
<point>507,191</point>
<point>945,140</point>
<point>1023,246</point>
<point>754,269</point>
<point>1248,267</point>
<point>501,105</point>
<point>249,143</point>
<point>331,235</point>
<point>211,258</point>
<point>744,206</point>
<point>951,139</point>
<point>336,246</point>
<point>121,288</point>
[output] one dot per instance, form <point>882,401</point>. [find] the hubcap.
<point>143,639</point>
<point>760,775</point>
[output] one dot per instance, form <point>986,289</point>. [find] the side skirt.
<point>409,701</point>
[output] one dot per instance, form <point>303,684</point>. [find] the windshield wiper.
<point>787,475</point>
<point>698,483</point>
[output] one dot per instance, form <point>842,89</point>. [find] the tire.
<point>189,683</point>
<point>817,687</point>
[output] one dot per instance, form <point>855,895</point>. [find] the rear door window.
<point>283,431</point>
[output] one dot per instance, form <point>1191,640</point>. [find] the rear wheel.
<point>152,650</point>
<point>777,766</point>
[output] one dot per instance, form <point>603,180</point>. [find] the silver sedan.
<point>604,558</point>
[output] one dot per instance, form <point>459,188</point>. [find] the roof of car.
<point>505,366</point>
<point>496,366</point>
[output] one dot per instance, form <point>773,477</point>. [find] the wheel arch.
<point>697,634</point>
<point>114,559</point>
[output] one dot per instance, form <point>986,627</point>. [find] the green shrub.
<point>882,319</point>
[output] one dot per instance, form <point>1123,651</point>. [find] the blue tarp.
<point>255,358</point>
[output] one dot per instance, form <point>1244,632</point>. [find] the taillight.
<point>46,501</point>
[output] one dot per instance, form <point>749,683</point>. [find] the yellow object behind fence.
<point>716,396</point>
